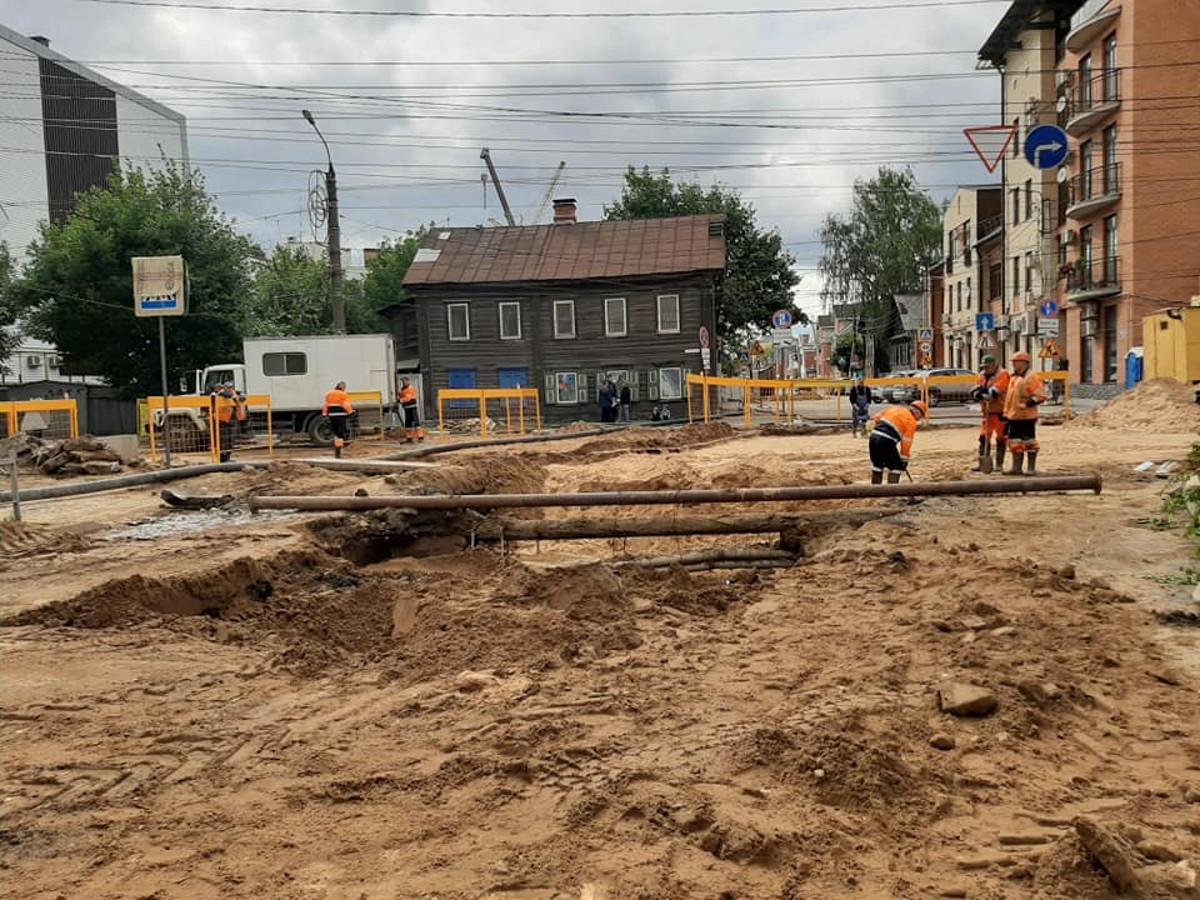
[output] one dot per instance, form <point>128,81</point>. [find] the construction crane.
<point>487,158</point>
<point>541,210</point>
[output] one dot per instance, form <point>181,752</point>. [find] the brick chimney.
<point>564,211</point>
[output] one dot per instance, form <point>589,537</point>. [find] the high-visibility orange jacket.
<point>408,396</point>
<point>896,423</point>
<point>337,402</point>
<point>229,401</point>
<point>1021,390</point>
<point>994,389</point>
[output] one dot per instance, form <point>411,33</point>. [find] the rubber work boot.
<point>876,478</point>
<point>980,466</point>
<point>1000,448</point>
<point>1017,461</point>
<point>893,477</point>
<point>1031,469</point>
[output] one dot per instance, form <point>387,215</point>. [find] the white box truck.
<point>296,372</point>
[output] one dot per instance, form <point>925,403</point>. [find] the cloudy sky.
<point>786,100</point>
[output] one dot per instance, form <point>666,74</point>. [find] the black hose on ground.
<point>75,489</point>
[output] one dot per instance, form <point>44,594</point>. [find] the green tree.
<point>290,296</point>
<point>383,285</point>
<point>8,306</point>
<point>78,285</point>
<point>759,274</point>
<point>848,346</point>
<point>881,248</point>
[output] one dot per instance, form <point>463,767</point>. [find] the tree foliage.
<point>759,275</point>
<point>78,285</point>
<point>8,306</point>
<point>881,248</point>
<point>384,284</point>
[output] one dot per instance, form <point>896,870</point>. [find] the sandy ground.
<point>216,705</point>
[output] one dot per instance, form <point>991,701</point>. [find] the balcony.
<point>1090,22</point>
<point>1095,278</point>
<point>1088,102</point>
<point>1091,191</point>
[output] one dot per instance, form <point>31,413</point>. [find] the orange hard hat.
<point>919,407</point>
<point>1022,357</point>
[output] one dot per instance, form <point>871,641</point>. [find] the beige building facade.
<point>972,221</point>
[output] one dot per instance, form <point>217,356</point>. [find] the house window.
<point>1028,198</point>
<point>564,318</point>
<point>670,383</point>
<point>458,321</point>
<point>1014,198</point>
<point>614,317</point>
<point>510,321</point>
<point>284,364</point>
<point>567,387</point>
<point>668,314</point>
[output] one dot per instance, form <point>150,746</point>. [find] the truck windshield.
<point>215,378</point>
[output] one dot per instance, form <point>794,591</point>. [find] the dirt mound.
<point>492,474</point>
<point>649,440</point>
<point>24,539</point>
<point>1160,404</point>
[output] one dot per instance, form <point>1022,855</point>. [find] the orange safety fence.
<point>369,421</point>
<point>247,417</point>
<point>514,411</point>
<point>49,419</point>
<point>187,424</point>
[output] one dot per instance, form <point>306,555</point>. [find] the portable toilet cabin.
<point>1134,366</point>
<point>1171,344</point>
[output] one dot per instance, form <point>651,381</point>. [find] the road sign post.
<point>781,318</point>
<point>160,290</point>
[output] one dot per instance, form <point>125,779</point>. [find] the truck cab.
<point>211,378</point>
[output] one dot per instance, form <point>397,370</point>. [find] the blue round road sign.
<point>1049,309</point>
<point>781,319</point>
<point>1046,147</point>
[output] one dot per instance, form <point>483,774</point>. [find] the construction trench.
<point>654,664</point>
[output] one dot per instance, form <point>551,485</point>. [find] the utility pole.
<point>487,158</point>
<point>333,235</point>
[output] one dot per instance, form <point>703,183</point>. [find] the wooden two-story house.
<point>563,307</point>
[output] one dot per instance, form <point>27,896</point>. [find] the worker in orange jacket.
<point>891,440</point>
<point>990,391</point>
<point>228,403</point>
<point>412,415</point>
<point>1026,391</point>
<point>338,410</point>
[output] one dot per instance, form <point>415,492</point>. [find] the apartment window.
<point>1111,243</point>
<point>1110,343</point>
<point>958,297</point>
<point>1087,156</point>
<point>1109,142</point>
<point>668,314</point>
<point>996,279</point>
<point>1028,272</point>
<point>284,364</point>
<point>566,387</point>
<point>458,321</point>
<point>1016,275</point>
<point>1016,143</point>
<point>614,317</point>
<point>670,384</point>
<point>1014,200</point>
<point>510,321</point>
<point>1110,67</point>
<point>1085,82</point>
<point>966,242</point>
<point>1028,199</point>
<point>564,318</point>
<point>968,292</point>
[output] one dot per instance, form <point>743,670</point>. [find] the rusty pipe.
<point>733,495</point>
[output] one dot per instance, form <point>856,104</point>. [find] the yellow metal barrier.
<point>245,416</point>
<point>189,433</point>
<point>50,419</point>
<point>519,408</point>
<point>369,419</point>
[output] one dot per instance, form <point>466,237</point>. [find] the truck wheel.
<point>320,431</point>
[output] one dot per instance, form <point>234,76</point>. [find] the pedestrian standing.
<point>412,414</point>
<point>990,391</point>
<point>860,402</point>
<point>626,402</point>
<point>890,443</point>
<point>228,404</point>
<point>338,410</point>
<point>1026,391</point>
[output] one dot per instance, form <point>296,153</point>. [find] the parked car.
<point>897,393</point>
<point>941,393</point>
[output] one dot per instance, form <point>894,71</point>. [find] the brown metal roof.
<point>569,252</point>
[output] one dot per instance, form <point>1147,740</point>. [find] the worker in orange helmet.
<point>412,415</point>
<point>891,440</point>
<point>228,403</point>
<point>1026,391</point>
<point>338,410</point>
<point>990,391</point>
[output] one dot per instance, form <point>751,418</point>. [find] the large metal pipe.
<point>642,498</point>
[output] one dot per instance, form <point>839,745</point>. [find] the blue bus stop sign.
<point>1046,147</point>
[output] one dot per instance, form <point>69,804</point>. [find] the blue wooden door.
<point>462,378</point>
<point>513,378</point>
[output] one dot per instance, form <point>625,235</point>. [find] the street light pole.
<point>333,235</point>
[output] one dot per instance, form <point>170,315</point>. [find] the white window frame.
<point>558,391</point>
<point>678,323</point>
<point>450,307</point>
<point>662,394</point>
<point>609,331</point>
<point>500,312</point>
<point>571,305</point>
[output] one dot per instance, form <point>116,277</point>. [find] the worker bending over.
<point>891,442</point>
<point>990,391</point>
<point>338,410</point>
<point>1026,391</point>
<point>412,415</point>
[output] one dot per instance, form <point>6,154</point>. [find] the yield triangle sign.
<point>991,142</point>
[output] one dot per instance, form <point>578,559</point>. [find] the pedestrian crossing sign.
<point>1050,350</point>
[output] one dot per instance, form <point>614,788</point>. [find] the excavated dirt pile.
<point>1160,404</point>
